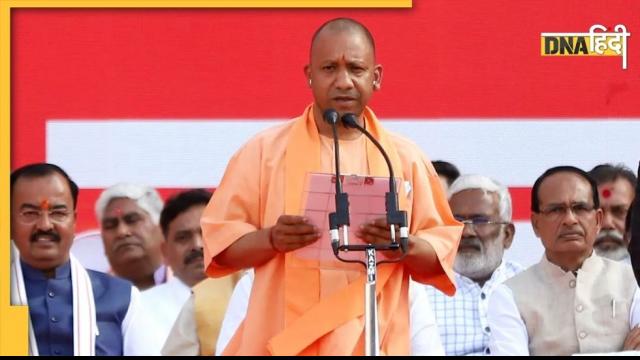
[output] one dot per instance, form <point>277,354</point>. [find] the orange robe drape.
<point>290,310</point>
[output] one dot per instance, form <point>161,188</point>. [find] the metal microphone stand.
<point>340,220</point>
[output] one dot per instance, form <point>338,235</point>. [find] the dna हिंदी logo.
<point>597,42</point>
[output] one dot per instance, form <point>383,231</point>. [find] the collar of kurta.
<point>555,271</point>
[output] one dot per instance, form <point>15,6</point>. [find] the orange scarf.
<point>338,319</point>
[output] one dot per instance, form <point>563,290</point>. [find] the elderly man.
<point>484,206</point>
<point>128,215</point>
<point>572,301</point>
<point>254,220</point>
<point>182,249</point>
<point>616,188</point>
<point>72,311</point>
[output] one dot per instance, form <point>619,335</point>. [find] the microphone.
<point>339,218</point>
<point>395,217</point>
<point>331,116</point>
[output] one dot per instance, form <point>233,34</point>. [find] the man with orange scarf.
<point>254,219</point>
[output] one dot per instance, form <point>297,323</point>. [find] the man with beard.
<point>572,301</point>
<point>72,310</point>
<point>616,189</point>
<point>128,215</point>
<point>182,250</point>
<point>484,207</point>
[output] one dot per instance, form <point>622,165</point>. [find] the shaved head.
<point>340,25</point>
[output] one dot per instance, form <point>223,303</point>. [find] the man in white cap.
<point>129,216</point>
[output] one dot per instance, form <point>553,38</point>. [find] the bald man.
<point>254,220</point>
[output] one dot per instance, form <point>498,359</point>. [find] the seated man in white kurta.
<point>572,301</point>
<point>182,250</point>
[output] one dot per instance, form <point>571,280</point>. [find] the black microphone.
<point>339,218</point>
<point>395,217</point>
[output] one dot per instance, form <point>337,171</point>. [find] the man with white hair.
<point>129,216</point>
<point>484,207</point>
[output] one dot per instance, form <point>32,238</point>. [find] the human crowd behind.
<point>204,274</point>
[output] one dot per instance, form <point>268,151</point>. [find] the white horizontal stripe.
<point>190,153</point>
<point>168,154</point>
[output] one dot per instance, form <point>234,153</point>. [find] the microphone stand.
<point>341,219</point>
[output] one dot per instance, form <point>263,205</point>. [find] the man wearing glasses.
<point>72,311</point>
<point>572,301</point>
<point>484,207</point>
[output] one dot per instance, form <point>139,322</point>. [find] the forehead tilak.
<point>45,204</point>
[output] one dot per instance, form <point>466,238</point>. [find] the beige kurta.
<point>296,307</point>
<point>567,314</point>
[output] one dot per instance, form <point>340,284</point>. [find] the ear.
<point>599,217</point>
<point>307,73</point>
<point>509,232</point>
<point>534,223</point>
<point>377,77</point>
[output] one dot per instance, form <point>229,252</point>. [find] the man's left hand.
<point>378,232</point>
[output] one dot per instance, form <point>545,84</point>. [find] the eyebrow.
<point>570,204</point>
<point>188,230</point>
<point>37,207</point>
<point>123,216</point>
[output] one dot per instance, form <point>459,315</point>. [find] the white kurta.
<point>163,303</point>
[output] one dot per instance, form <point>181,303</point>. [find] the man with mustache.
<point>182,250</point>
<point>128,215</point>
<point>484,206</point>
<point>255,218</point>
<point>72,310</point>
<point>616,189</point>
<point>572,301</point>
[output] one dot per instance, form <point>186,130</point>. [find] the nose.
<point>122,230</point>
<point>44,223</point>
<point>607,220</point>
<point>569,217</point>
<point>468,231</point>
<point>198,240</point>
<point>343,80</point>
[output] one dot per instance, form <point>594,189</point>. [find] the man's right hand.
<point>292,232</point>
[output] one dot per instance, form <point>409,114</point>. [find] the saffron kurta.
<point>297,307</point>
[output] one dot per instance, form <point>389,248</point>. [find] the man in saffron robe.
<point>254,219</point>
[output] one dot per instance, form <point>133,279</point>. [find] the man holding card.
<point>254,218</point>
